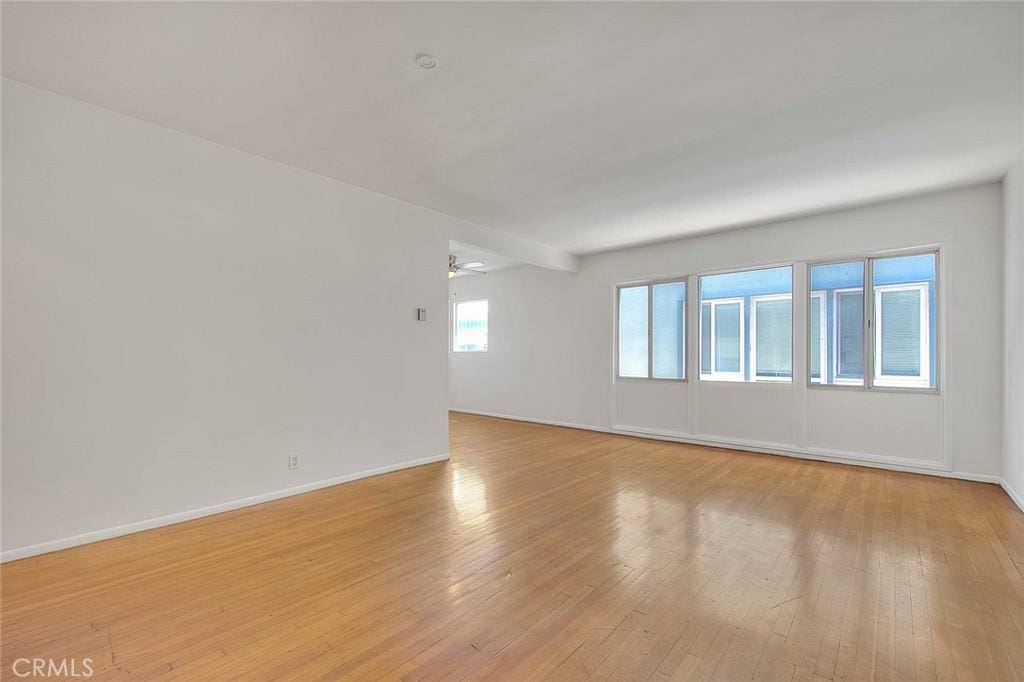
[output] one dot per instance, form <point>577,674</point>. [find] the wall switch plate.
<point>421,314</point>
<point>294,460</point>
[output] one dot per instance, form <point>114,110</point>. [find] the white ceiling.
<point>580,126</point>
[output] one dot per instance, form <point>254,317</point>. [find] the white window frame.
<point>923,379</point>
<point>932,352</point>
<point>754,300</point>
<point>822,311</point>
<point>836,379</point>
<point>455,326</point>
<point>650,284</point>
<point>715,375</point>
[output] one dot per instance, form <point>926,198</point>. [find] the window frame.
<point>822,334</point>
<point>923,378</point>
<point>754,300</point>
<point>869,319</point>
<point>715,375</point>
<point>455,325</point>
<point>650,284</point>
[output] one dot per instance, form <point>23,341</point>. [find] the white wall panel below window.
<point>660,406</point>
<point>886,424</point>
<point>760,412</point>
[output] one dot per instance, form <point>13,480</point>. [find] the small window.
<point>726,353</point>
<point>849,336</point>
<point>668,330</point>
<point>722,355</point>
<point>904,324</point>
<point>633,337</point>
<point>652,331</point>
<point>901,335</point>
<point>470,326</point>
<point>836,332</point>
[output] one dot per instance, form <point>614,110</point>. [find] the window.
<point>652,331</point>
<point>633,336</point>
<point>727,300</point>
<point>838,327</point>
<point>816,344</point>
<point>668,332</point>
<point>470,326</point>
<point>899,332</point>
<point>849,336</point>
<point>871,322</point>
<point>722,354</point>
<point>903,299</point>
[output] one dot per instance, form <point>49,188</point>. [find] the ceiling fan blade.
<point>470,264</point>
<point>467,271</point>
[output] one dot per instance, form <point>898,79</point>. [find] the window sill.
<point>875,389</point>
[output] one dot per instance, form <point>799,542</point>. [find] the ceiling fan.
<point>467,268</point>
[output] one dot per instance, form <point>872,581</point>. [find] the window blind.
<point>850,334</point>
<point>774,338</point>
<point>727,337</point>
<point>901,333</point>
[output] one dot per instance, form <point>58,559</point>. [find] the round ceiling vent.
<point>426,61</point>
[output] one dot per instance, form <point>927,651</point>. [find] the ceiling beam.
<point>512,247</point>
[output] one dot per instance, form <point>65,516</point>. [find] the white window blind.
<point>849,334</point>
<point>771,343</point>
<point>901,335</point>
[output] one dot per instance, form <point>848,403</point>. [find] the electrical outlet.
<point>294,460</point>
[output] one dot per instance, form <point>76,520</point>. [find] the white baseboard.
<point>855,459</point>
<point>532,420</point>
<point>169,519</point>
<point>1017,498</point>
<point>764,447</point>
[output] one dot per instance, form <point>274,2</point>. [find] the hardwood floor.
<point>540,552</point>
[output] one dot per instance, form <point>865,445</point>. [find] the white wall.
<point>1013,389</point>
<point>1013,444</point>
<point>178,316</point>
<point>551,339</point>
